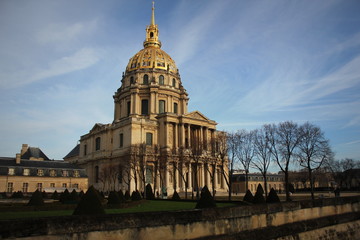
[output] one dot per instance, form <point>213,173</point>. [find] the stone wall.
<point>283,220</point>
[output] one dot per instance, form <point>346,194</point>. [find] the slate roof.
<point>33,166</point>
<point>74,152</point>
<point>34,152</point>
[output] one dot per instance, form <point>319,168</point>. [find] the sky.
<point>243,63</point>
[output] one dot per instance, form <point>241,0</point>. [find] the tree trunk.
<point>311,184</point>
<point>287,186</point>
<point>265,185</point>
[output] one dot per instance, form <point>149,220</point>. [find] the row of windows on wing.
<point>161,80</point>
<point>46,172</point>
<point>148,141</point>
<point>40,186</point>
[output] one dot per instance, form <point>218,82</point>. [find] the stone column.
<point>176,134</point>
<point>189,135</point>
<point>166,129</point>
<point>182,135</point>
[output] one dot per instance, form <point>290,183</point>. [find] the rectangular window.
<point>85,150</point>
<point>39,187</point>
<point>161,106</point>
<point>97,143</point>
<point>26,172</point>
<point>11,171</point>
<point>25,187</point>
<point>175,108</point>
<point>144,107</point>
<point>76,173</point>
<point>128,108</point>
<point>64,185</point>
<point>65,173</point>
<point>52,173</point>
<point>149,140</point>
<point>10,186</point>
<point>40,172</point>
<point>75,185</point>
<point>121,140</point>
<point>52,185</point>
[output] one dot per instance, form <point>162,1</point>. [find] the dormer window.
<point>65,173</point>
<point>52,173</point>
<point>26,172</point>
<point>11,171</point>
<point>40,172</point>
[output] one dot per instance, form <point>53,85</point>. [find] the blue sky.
<point>243,63</point>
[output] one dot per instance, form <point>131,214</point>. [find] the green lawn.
<point>142,206</point>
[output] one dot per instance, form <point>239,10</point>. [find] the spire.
<point>153,14</point>
<point>152,32</point>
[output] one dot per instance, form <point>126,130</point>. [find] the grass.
<point>141,206</point>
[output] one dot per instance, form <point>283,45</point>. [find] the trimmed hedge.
<point>121,196</point>
<point>55,195</point>
<point>149,192</point>
<point>90,204</point>
<point>272,197</point>
<point>127,196</point>
<point>36,199</point>
<point>113,198</point>
<point>248,197</point>
<point>176,196</point>
<point>135,196</point>
<point>65,196</point>
<point>206,200</point>
<point>259,197</point>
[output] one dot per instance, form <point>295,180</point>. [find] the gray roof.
<point>74,152</point>
<point>34,152</point>
<point>46,165</point>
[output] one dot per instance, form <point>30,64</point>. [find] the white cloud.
<point>62,33</point>
<point>79,60</point>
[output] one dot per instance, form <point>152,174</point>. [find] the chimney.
<point>24,148</point>
<point>18,158</point>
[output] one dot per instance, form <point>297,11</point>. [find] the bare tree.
<point>196,154</point>
<point>211,161</point>
<point>314,149</point>
<point>245,151</point>
<point>183,167</point>
<point>284,139</point>
<point>227,145</point>
<point>262,151</point>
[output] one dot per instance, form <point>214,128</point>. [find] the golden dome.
<point>151,56</point>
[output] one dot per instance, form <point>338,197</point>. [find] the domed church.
<point>153,138</point>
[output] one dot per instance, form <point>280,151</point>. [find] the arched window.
<point>161,106</point>
<point>132,80</point>
<point>146,79</point>
<point>151,34</point>
<point>174,82</point>
<point>175,108</point>
<point>161,80</point>
<point>97,143</point>
<point>121,140</point>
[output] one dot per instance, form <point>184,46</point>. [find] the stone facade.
<point>32,169</point>
<point>275,181</point>
<point>152,133</point>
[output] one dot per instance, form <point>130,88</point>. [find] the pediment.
<point>197,115</point>
<point>97,127</point>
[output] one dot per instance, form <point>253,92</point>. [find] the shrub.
<point>272,197</point>
<point>113,198</point>
<point>127,196</point>
<point>55,195</point>
<point>90,204</point>
<point>17,194</point>
<point>135,196</point>
<point>36,199</point>
<point>121,196</point>
<point>176,196</point>
<point>206,200</point>
<point>81,194</point>
<point>74,197</point>
<point>260,189</point>
<point>248,197</point>
<point>65,196</point>
<point>259,197</point>
<point>44,194</point>
<point>149,192</point>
